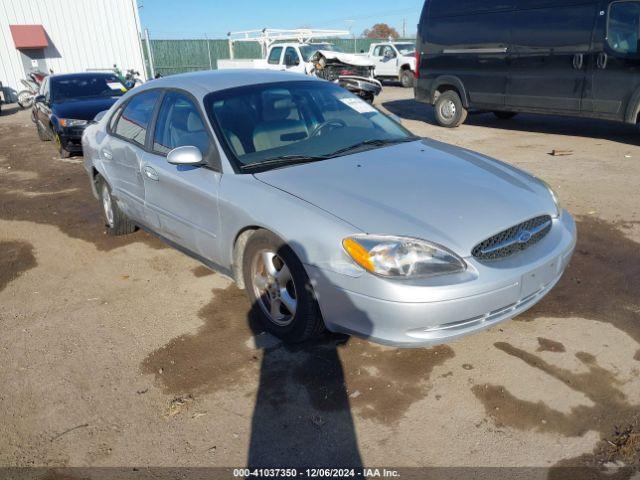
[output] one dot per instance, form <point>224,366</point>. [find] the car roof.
<point>200,84</point>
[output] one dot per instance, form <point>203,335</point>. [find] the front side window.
<point>623,27</point>
<point>291,56</point>
<point>134,121</point>
<point>406,48</point>
<point>274,56</point>
<point>261,123</point>
<point>179,125</point>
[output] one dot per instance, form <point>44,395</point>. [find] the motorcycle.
<point>32,84</point>
<point>130,80</point>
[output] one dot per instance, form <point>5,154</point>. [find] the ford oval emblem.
<point>524,237</point>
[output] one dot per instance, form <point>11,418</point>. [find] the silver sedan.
<point>328,212</point>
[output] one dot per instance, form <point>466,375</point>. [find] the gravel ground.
<point>123,352</point>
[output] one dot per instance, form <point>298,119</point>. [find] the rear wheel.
<point>449,110</point>
<point>279,288</point>
<point>25,99</point>
<point>505,115</point>
<point>116,221</point>
<point>406,78</point>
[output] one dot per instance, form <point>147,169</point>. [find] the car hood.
<point>423,189</point>
<point>85,109</point>
<point>347,58</point>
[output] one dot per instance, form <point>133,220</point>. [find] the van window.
<point>274,56</point>
<point>622,28</point>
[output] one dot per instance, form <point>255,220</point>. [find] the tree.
<point>382,31</point>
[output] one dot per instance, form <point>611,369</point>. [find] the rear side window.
<point>622,28</point>
<point>134,121</point>
<point>179,125</point>
<point>274,56</point>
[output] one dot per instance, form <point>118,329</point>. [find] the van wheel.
<point>115,220</point>
<point>505,115</point>
<point>449,110</point>
<point>280,290</point>
<point>406,78</point>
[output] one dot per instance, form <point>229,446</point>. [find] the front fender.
<point>454,81</point>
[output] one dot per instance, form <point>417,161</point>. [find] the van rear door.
<point>614,66</point>
<point>550,43</point>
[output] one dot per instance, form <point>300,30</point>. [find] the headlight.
<point>401,257</point>
<point>556,198</point>
<point>71,122</point>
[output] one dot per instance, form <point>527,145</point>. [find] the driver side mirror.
<point>389,55</point>
<point>40,99</point>
<point>185,156</point>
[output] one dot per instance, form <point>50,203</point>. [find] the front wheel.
<point>449,110</point>
<point>407,78</point>
<point>25,99</point>
<point>280,290</point>
<point>64,151</point>
<point>116,221</point>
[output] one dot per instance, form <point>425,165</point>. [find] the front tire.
<point>280,290</point>
<point>407,78</point>
<point>116,221</point>
<point>64,152</point>
<point>450,112</point>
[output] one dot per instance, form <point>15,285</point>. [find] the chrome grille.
<point>514,239</point>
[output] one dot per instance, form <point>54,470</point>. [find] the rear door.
<point>550,46</point>
<point>123,154</point>
<point>614,74</point>
<point>184,198</point>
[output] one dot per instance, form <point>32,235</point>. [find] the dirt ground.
<point>124,352</point>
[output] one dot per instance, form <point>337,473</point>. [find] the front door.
<point>184,198</point>
<point>122,155</point>
<point>614,73</point>
<point>386,61</point>
<point>548,56</point>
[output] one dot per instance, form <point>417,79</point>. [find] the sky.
<point>214,18</point>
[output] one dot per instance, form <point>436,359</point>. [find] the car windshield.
<point>307,51</point>
<point>85,86</point>
<point>406,48</point>
<point>297,121</point>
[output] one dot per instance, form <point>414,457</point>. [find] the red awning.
<point>29,36</point>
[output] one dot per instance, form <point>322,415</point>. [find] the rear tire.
<point>505,115</point>
<point>407,78</point>
<point>279,289</point>
<point>25,99</point>
<point>116,221</point>
<point>449,111</point>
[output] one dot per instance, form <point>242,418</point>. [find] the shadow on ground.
<point>556,125</point>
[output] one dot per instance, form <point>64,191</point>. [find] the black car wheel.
<point>64,152</point>
<point>280,290</point>
<point>449,110</point>
<point>115,220</point>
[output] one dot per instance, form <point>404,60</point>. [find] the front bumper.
<point>360,84</point>
<point>411,315</point>
<point>71,138</point>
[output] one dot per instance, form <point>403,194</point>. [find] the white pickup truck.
<point>353,72</point>
<point>394,61</point>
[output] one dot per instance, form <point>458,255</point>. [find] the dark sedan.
<point>67,103</point>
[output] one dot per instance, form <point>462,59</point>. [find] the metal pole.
<point>149,53</point>
<point>230,47</point>
<point>208,51</point>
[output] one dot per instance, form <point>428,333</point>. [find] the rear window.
<point>85,86</point>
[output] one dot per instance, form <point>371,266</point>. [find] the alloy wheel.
<point>107,205</point>
<point>274,288</point>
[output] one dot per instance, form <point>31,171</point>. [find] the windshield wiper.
<point>283,161</point>
<point>372,143</point>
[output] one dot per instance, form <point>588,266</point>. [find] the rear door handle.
<point>151,174</point>
<point>578,61</point>
<point>107,154</point>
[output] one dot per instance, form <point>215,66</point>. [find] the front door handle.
<point>151,174</point>
<point>602,61</point>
